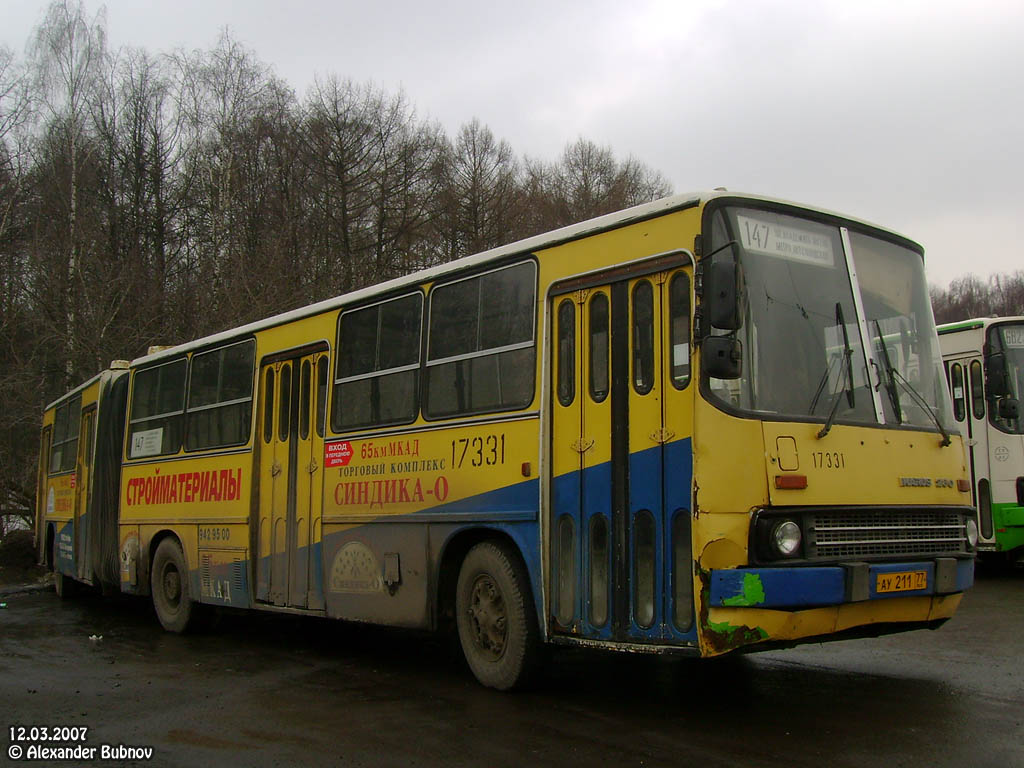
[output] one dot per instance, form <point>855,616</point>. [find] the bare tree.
<point>481,196</point>
<point>588,181</point>
<point>1002,295</point>
<point>67,54</point>
<point>342,153</point>
<point>15,106</point>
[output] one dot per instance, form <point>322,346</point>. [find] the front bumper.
<point>816,586</point>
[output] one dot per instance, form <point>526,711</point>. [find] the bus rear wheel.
<point>495,617</point>
<point>63,585</point>
<point>170,586</point>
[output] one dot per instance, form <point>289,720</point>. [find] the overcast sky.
<point>909,114</point>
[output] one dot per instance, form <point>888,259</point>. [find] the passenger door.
<point>622,415</point>
<point>82,481</point>
<point>978,450</point>
<point>293,411</point>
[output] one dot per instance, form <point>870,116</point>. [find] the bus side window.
<point>566,352</point>
<point>956,372</point>
<point>60,428</point>
<point>378,364</point>
<point>321,395</point>
<point>643,337</point>
<point>679,346</point>
<point>599,348</point>
<point>480,348</point>
<point>268,407</point>
<point>64,450</point>
<point>157,411</point>
<point>977,391</point>
<point>284,404</point>
<point>305,379</point>
<point>220,397</point>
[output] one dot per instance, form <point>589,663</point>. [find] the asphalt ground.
<point>269,690</point>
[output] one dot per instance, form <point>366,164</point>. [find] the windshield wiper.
<point>846,384</point>
<point>890,377</point>
<point>924,406</point>
<point>821,385</point>
<point>895,377</point>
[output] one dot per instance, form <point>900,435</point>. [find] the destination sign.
<point>786,241</point>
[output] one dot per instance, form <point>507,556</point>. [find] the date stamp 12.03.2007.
<point>67,743</point>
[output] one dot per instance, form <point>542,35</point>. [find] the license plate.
<point>901,581</point>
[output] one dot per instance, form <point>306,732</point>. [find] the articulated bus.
<point>984,362</point>
<point>710,423</point>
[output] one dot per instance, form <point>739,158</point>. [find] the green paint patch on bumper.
<point>752,592</point>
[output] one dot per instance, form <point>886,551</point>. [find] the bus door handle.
<point>312,466</point>
<point>662,436</point>
<point>275,469</point>
<point>581,445</point>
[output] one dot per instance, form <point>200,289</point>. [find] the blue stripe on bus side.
<point>64,542</point>
<point>678,472</point>
<point>661,478</point>
<point>519,499</point>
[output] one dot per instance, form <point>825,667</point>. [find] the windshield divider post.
<point>862,323</point>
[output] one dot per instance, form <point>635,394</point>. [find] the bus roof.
<point>550,239</point>
<point>84,385</point>
<point>975,323</point>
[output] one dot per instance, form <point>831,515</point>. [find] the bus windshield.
<point>812,348</point>
<point>1009,339</point>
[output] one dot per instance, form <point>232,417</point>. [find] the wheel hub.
<point>488,617</point>
<point>172,586</point>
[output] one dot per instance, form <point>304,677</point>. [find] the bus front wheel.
<point>170,585</point>
<point>495,617</point>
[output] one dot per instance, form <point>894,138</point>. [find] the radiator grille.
<point>858,533</point>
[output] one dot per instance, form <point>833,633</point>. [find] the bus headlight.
<point>786,538</point>
<point>972,533</point>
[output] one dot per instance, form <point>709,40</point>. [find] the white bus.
<point>984,362</point>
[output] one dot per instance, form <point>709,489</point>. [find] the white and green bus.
<point>984,362</point>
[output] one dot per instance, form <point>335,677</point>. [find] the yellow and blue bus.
<point>710,423</point>
<point>78,490</point>
<point>984,360</point>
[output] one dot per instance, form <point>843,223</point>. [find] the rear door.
<point>83,481</point>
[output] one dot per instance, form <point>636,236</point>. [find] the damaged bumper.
<point>817,586</point>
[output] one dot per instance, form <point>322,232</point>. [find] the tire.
<point>169,583</point>
<point>63,585</point>
<point>495,616</point>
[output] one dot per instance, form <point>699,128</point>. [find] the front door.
<point>621,566</point>
<point>978,447</point>
<point>293,415</point>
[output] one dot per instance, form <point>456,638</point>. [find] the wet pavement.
<point>266,690</point>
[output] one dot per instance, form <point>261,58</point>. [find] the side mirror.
<point>722,357</point>
<point>724,295</point>
<point>1009,408</point>
<point>996,380</point>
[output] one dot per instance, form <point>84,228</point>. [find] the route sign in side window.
<point>157,421</point>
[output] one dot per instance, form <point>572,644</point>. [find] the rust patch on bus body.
<point>721,637</point>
